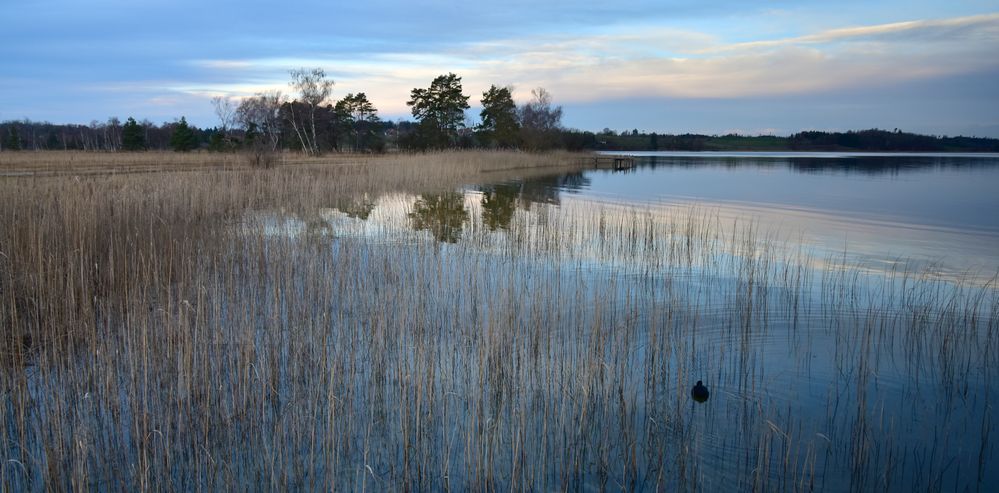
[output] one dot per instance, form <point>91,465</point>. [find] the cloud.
<point>976,28</point>
<point>222,64</point>
<point>110,58</point>
<point>589,68</point>
<point>659,62</point>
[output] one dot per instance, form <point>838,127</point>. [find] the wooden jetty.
<point>616,163</point>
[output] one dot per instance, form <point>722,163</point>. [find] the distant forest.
<point>873,140</point>
<point>385,136</point>
<point>312,122</point>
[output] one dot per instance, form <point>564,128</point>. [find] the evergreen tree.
<point>183,138</point>
<point>217,142</point>
<point>499,117</point>
<point>358,116</point>
<point>133,136</point>
<point>441,109</point>
<point>13,141</point>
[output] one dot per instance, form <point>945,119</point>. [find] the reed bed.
<point>219,328</point>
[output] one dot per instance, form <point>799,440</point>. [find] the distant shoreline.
<point>874,140</point>
<point>797,153</point>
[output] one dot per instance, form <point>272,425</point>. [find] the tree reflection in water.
<point>499,202</point>
<point>443,215</point>
<point>357,209</point>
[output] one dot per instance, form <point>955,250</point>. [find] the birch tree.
<point>260,117</point>
<point>314,89</point>
<point>225,111</point>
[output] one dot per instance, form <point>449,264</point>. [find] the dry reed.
<point>207,328</point>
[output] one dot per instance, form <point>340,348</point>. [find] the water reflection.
<point>821,163</point>
<point>822,371</point>
<point>546,189</point>
<point>359,208</point>
<point>939,211</point>
<point>499,202</point>
<point>443,215</point>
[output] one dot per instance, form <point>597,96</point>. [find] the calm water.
<point>872,376</point>
<point>952,192</point>
<point>938,208</point>
<point>939,212</point>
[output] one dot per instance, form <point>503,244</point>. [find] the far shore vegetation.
<point>313,122</point>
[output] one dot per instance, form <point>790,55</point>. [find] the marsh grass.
<point>161,333</point>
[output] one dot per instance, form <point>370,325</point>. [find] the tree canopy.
<point>440,109</point>
<point>359,118</point>
<point>357,108</point>
<point>183,138</point>
<point>541,120</point>
<point>133,136</point>
<point>314,89</point>
<point>12,142</point>
<point>500,126</point>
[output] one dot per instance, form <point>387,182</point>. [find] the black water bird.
<point>699,393</point>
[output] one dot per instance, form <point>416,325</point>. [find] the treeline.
<point>313,122</point>
<point>367,134</point>
<point>109,135</point>
<point>883,140</point>
<point>873,140</point>
<point>377,136</point>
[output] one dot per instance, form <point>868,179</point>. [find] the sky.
<point>770,67</point>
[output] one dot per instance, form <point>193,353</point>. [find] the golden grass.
<point>438,165</point>
<point>94,214</point>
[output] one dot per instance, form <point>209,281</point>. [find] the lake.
<point>838,307</point>
<point>940,211</point>
<point>934,208</point>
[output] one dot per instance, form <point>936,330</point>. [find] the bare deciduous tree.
<point>225,110</point>
<point>540,119</point>
<point>540,113</point>
<point>314,89</point>
<point>260,117</point>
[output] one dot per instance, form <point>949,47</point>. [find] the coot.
<point>699,392</point>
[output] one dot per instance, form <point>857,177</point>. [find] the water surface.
<point>857,363</point>
<point>935,208</point>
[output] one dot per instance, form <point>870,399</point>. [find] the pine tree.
<point>499,117</point>
<point>13,141</point>
<point>441,110</point>
<point>217,142</point>
<point>183,138</point>
<point>133,137</point>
